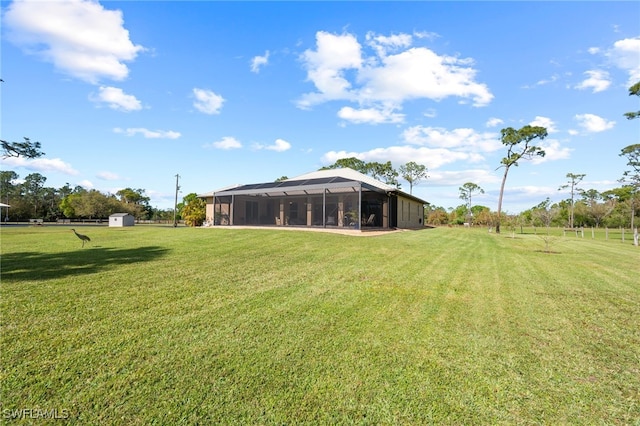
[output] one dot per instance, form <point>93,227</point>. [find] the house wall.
<point>218,213</point>
<point>410,213</point>
<point>208,212</point>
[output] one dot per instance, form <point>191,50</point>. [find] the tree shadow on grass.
<point>26,266</point>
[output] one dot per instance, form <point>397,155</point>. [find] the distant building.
<point>336,198</point>
<point>121,219</point>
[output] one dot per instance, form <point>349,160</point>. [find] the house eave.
<point>409,196</point>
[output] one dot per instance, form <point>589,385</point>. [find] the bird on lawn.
<point>82,237</point>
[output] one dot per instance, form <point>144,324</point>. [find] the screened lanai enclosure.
<point>326,201</point>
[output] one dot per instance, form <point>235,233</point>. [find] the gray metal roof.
<point>333,184</point>
<point>349,174</point>
<point>332,181</point>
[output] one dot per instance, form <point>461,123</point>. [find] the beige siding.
<point>410,213</point>
<point>209,209</point>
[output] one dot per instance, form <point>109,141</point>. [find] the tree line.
<point>32,199</point>
<point>586,208</point>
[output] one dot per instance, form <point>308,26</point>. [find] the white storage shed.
<point>121,219</point>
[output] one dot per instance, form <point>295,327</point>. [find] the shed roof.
<point>120,215</point>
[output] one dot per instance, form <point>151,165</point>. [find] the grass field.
<point>156,325</point>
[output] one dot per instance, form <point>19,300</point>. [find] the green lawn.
<point>225,326</point>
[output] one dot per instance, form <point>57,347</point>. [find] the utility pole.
<point>175,204</point>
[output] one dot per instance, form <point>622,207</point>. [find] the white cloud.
<point>545,122</point>
<point>494,122</point>
<point>432,158</point>
<point>207,101</point>
<point>554,78</point>
<point>421,73</point>
<point>460,177</point>
<point>430,113</point>
<point>280,145</point>
<point>382,44</point>
<point>426,34</point>
<point>340,70</point>
<point>81,38</point>
<point>625,54</point>
<point>116,99</point>
<point>464,138</point>
<point>370,115</point>
<point>597,80</point>
<point>107,176</point>
<point>40,165</point>
<point>553,151</point>
<point>532,192</point>
<point>550,80</point>
<point>593,123</point>
<point>149,134</point>
<point>259,61</point>
<point>87,184</point>
<point>326,65</point>
<point>227,142</point>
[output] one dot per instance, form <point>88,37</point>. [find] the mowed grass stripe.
<point>163,325</point>
<point>566,292</point>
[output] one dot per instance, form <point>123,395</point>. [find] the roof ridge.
<point>347,173</point>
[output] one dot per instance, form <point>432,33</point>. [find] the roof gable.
<point>346,173</point>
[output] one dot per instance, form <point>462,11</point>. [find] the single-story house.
<point>121,219</point>
<point>340,198</point>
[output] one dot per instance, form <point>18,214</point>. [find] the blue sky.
<point>129,94</point>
